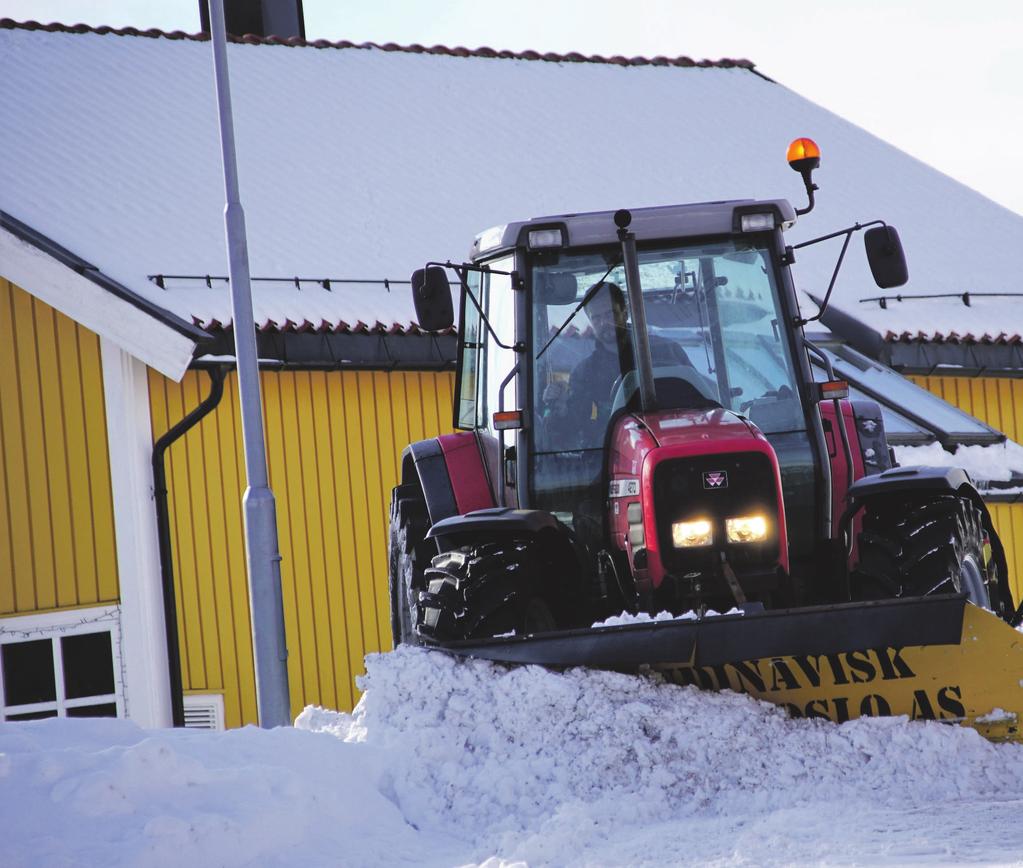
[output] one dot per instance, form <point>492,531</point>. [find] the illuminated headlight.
<point>757,222</point>
<point>688,534</point>
<point>539,238</point>
<point>746,529</point>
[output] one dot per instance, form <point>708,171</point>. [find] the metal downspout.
<point>170,612</point>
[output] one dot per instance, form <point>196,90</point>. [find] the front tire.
<point>408,552</point>
<point>922,546</point>
<point>485,590</point>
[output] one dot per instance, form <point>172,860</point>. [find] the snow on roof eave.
<point>136,331</point>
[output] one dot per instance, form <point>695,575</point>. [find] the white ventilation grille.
<point>204,711</point>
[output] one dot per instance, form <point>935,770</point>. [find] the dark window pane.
<point>33,715</point>
<point>108,709</point>
<point>88,665</point>
<point>900,431</point>
<point>28,672</point>
<point>894,389</point>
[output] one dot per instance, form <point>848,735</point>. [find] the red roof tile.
<point>458,51</point>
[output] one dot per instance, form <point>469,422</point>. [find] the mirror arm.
<point>854,228</point>
<point>848,233</point>
<point>468,266</point>
<point>461,271</point>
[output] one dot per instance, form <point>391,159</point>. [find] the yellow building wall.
<point>333,445</point>
<point>998,402</point>
<point>57,543</point>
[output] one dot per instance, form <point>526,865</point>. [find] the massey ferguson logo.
<point>715,479</point>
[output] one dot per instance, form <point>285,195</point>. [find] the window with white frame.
<point>61,664</point>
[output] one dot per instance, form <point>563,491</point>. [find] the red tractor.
<point>640,431</point>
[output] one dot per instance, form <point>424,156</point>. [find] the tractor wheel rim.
<point>971,582</point>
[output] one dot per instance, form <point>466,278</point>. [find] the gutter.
<point>170,612</point>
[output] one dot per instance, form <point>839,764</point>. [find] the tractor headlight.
<point>689,534</point>
<point>746,529</point>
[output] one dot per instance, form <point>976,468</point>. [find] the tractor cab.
<point>641,427</point>
<point>699,348</point>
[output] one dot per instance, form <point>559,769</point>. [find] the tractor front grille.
<point>714,488</point>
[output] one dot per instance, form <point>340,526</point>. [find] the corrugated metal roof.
<point>366,163</point>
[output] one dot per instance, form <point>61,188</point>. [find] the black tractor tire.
<point>486,590</point>
<point>408,553</point>
<point>922,546</point>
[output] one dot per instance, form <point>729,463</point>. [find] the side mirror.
<point>431,294</point>
<point>886,257</point>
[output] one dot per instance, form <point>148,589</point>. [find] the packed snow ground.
<point>450,763</point>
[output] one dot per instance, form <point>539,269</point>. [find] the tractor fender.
<point>450,472</point>
<point>910,480</point>
<point>902,480</point>
<point>500,520</point>
<point>551,542</point>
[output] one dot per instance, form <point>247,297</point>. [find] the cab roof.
<point>648,224</point>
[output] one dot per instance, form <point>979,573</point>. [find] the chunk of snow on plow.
<point>645,618</point>
<point>996,715</point>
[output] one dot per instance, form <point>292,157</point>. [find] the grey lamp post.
<point>260,511</point>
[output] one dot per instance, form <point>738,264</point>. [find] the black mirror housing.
<point>886,257</point>
<point>431,294</point>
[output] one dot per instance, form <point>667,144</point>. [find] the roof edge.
<point>458,51</point>
<point>89,271</point>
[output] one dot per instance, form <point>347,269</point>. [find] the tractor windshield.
<point>716,339</point>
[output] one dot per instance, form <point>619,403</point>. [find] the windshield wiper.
<point>592,291</point>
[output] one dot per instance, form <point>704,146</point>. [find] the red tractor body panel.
<point>465,470</point>
<point>642,441</point>
<point>841,478</point>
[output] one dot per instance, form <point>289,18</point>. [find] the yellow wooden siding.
<point>57,543</point>
<point>333,446</point>
<point>998,402</point>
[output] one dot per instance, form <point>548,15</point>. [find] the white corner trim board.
<point>130,440</point>
<point>132,329</point>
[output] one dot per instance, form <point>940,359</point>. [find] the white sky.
<point>939,79</point>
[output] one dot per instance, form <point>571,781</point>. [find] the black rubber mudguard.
<point>720,639</point>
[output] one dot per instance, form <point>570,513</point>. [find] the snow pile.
<point>596,767</point>
<point>104,792</point>
<point>999,462</point>
<point>449,762</point>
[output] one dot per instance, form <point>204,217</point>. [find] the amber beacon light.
<point>804,156</point>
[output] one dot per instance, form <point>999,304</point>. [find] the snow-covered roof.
<point>363,162</point>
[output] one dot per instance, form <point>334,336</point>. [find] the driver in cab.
<point>592,382</point>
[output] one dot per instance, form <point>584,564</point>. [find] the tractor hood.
<point>693,427</point>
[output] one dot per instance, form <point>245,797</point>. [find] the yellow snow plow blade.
<point>929,658</point>
<point>977,682</point>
